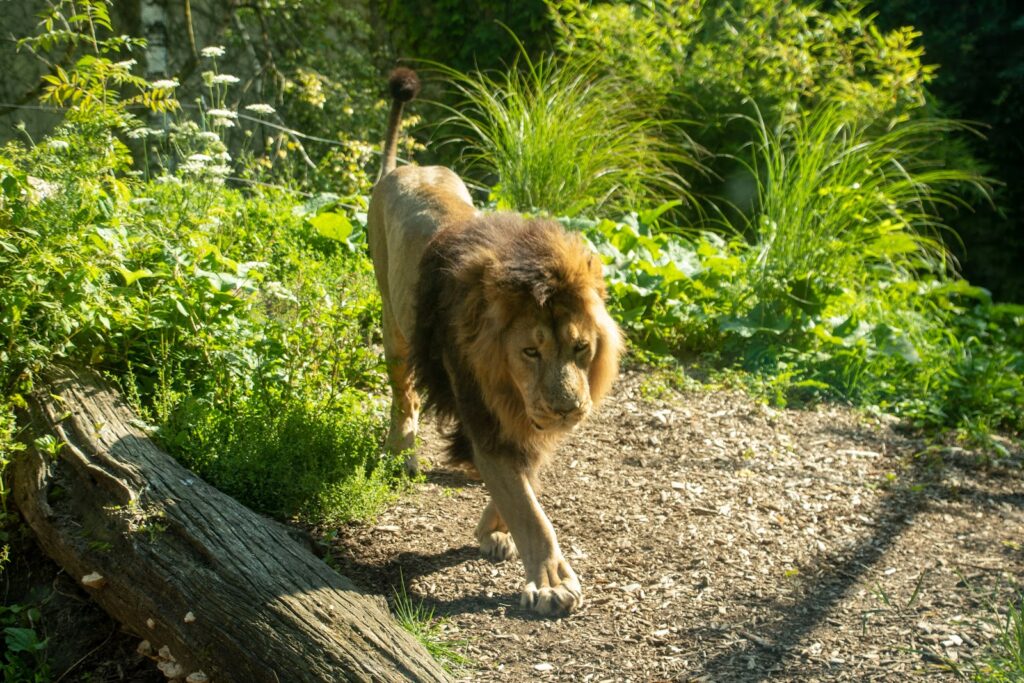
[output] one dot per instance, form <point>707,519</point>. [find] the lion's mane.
<point>475,281</point>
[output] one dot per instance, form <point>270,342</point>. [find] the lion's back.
<point>407,208</point>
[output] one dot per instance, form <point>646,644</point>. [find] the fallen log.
<point>211,585</point>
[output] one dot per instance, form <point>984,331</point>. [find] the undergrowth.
<point>237,321</point>
<point>838,286</point>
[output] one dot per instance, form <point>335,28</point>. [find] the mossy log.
<point>212,585</point>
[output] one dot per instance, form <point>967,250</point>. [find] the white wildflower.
<point>222,122</point>
<point>260,108</point>
<point>219,170</point>
<point>126,64</point>
<point>209,136</point>
<point>58,145</point>
<point>138,133</point>
<point>41,189</point>
<point>222,113</point>
<point>165,84</point>
<point>200,158</point>
<point>192,167</point>
<point>213,51</point>
<point>221,79</point>
<point>168,180</point>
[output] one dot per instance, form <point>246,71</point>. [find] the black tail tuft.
<point>404,84</point>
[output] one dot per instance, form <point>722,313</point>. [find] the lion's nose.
<point>568,407</point>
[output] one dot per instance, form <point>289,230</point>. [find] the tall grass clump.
<point>560,136</point>
<point>420,621</point>
<point>840,201</point>
<point>1003,660</point>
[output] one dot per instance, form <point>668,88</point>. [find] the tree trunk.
<point>153,15</point>
<point>186,567</point>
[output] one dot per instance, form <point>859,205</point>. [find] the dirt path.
<point>720,540</point>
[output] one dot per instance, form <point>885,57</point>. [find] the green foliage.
<point>837,202</point>
<point>840,287</point>
<point>24,659</point>
<point>237,322</point>
<point>419,620</point>
<point>288,459</point>
<point>781,56</point>
<point>313,64</point>
<point>704,63</point>
<point>96,85</point>
<point>9,446</point>
<point>466,34</point>
<point>832,278</point>
<point>666,291</point>
<point>980,77</point>
<point>560,137</point>
<point>1003,661</point>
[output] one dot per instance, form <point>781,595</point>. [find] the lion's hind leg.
<point>405,402</point>
<point>492,533</point>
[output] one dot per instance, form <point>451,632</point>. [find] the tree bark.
<point>186,567</point>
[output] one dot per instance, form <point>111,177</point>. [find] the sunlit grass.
<point>1003,660</point>
<point>561,137</point>
<point>838,200</point>
<point>419,620</point>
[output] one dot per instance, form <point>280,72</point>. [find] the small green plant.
<point>1003,660</point>
<point>96,86</point>
<point>419,620</point>
<point>559,137</point>
<point>25,659</point>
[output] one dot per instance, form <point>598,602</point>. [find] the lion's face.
<point>531,325</point>
<point>549,359</point>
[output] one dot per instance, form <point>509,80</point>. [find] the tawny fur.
<point>500,321</point>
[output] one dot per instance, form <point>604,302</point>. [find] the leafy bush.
<point>932,349</point>
<point>236,321</point>
<point>704,63</point>
<point>784,57</point>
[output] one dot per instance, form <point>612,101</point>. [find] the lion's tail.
<point>404,85</point>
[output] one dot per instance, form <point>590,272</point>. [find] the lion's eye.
<point>582,346</point>
<point>531,352</point>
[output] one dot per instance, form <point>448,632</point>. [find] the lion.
<point>499,321</point>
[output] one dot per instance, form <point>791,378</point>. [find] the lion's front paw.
<point>557,591</point>
<point>498,545</point>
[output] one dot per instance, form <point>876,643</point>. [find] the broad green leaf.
<point>22,640</point>
<point>133,276</point>
<point>894,343</point>
<point>334,226</point>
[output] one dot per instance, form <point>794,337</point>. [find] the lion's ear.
<point>605,365</point>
